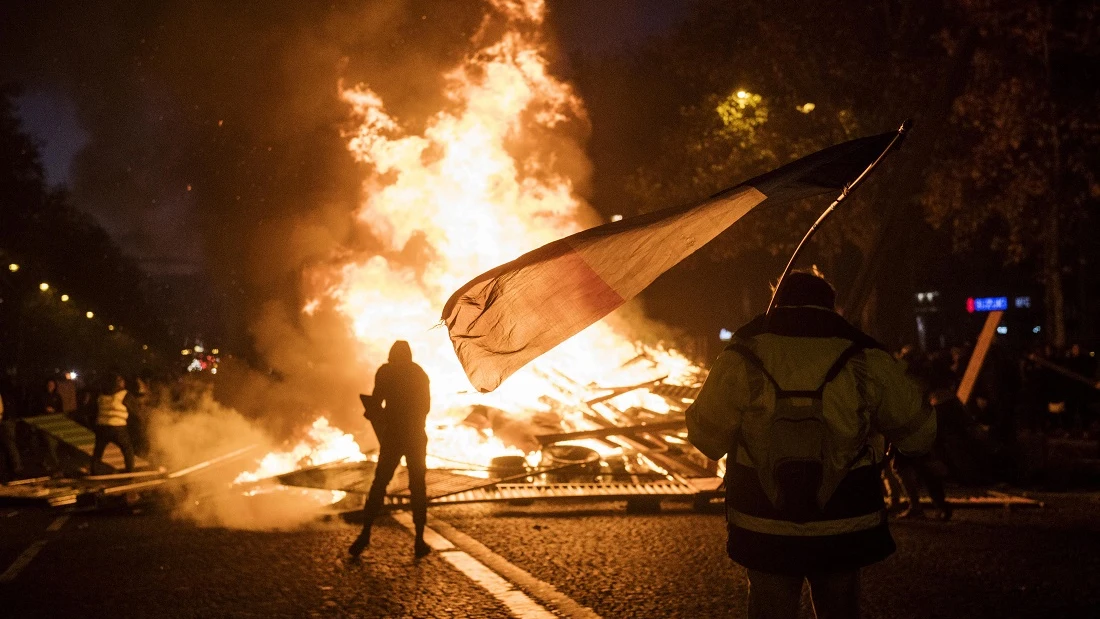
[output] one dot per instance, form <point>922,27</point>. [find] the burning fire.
<point>321,445</point>
<point>486,180</point>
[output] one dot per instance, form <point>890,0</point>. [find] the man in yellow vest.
<point>114,406</point>
<point>798,403</point>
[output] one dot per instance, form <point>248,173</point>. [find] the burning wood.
<point>481,181</point>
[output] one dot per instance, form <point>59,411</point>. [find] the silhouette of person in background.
<point>401,392</point>
<point>49,403</point>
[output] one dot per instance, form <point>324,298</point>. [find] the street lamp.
<point>43,286</point>
<point>110,327</point>
<point>90,315</point>
<point>64,298</point>
<point>13,267</point>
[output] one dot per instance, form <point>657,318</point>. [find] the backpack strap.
<point>839,364</point>
<point>754,360</point>
<point>780,392</point>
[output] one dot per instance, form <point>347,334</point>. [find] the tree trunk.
<point>1052,236</point>
<point>1052,279</point>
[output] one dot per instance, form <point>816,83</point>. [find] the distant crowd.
<point>1048,393</point>
<point>115,408</point>
<point>1015,391</point>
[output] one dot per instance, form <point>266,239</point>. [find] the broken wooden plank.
<point>659,426</point>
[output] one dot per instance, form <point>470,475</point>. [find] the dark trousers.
<point>835,595</point>
<point>44,447</point>
<point>917,471</point>
<point>389,456</point>
<point>118,435</point>
<point>10,447</point>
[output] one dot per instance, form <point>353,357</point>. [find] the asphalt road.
<point>984,563</point>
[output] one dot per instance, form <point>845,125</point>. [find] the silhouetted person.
<point>49,403</point>
<point>928,470</point>
<point>401,392</point>
<point>9,455</point>
<point>110,423</point>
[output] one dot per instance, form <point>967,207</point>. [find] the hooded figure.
<point>401,391</point>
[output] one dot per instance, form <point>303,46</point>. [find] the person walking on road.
<point>402,396</point>
<point>49,402</point>
<point>110,424</point>
<point>797,401</point>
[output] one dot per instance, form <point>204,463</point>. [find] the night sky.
<point>126,102</point>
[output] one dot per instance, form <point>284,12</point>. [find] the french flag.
<point>506,317</point>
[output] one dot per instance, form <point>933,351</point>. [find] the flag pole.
<point>848,189</point>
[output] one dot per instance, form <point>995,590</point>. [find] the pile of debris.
<point>98,490</point>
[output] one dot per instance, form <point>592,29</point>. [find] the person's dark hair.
<point>400,352</point>
<point>110,382</point>
<point>806,287</point>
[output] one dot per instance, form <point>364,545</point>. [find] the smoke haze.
<point>215,143</point>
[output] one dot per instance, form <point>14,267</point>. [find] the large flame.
<point>322,444</point>
<point>482,183</point>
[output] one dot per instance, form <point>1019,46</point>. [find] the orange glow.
<point>485,180</point>
<point>321,445</point>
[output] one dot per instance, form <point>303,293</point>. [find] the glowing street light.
<point>13,267</point>
<point>90,315</point>
<point>110,327</point>
<point>185,352</point>
<point>145,347</point>
<point>214,351</point>
<point>64,298</point>
<point>43,286</point>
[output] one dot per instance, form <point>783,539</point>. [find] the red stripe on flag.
<point>495,316</point>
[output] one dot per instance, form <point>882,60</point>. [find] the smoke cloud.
<point>216,144</point>
<point>197,429</point>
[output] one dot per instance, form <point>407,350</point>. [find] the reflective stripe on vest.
<point>819,528</point>
<point>112,410</point>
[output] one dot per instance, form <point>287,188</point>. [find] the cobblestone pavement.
<point>984,563</point>
<point>149,565</point>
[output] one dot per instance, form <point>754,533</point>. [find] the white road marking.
<point>22,561</point>
<point>433,539</point>
<point>57,523</point>
<point>496,575</point>
<point>517,601</point>
<point>543,591</point>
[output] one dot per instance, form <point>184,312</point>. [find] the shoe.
<point>421,549</point>
<point>360,544</point>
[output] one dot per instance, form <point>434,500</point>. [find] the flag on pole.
<point>506,317</point>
